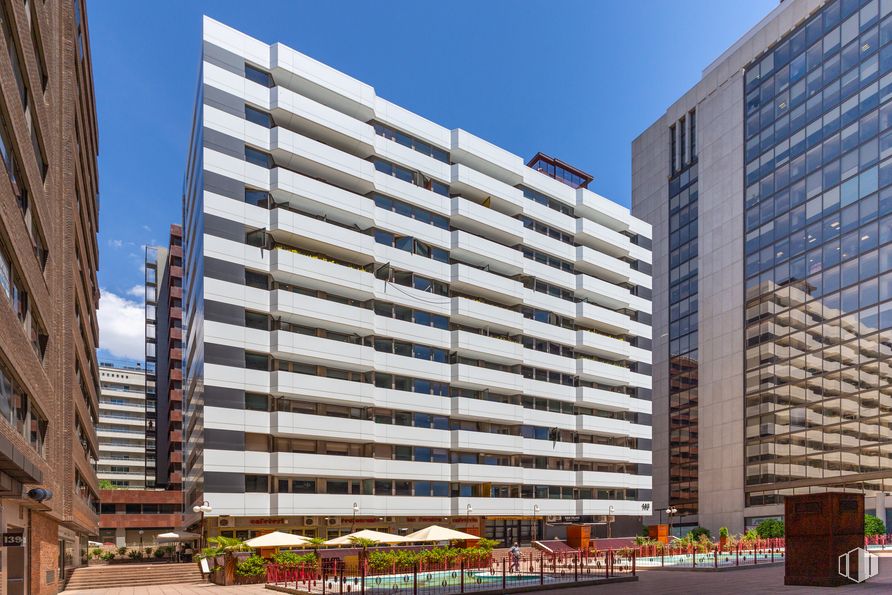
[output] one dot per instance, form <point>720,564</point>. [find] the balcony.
<point>476,313</point>
<point>175,457</point>
<point>318,273</point>
<point>485,221</point>
<point>475,184</point>
<point>602,293</point>
<point>175,436</point>
<point>321,161</point>
<point>479,409</point>
<point>320,121</point>
<point>602,238</point>
<point>176,354</point>
<point>176,415</point>
<point>478,378</point>
<point>486,442</point>
<point>492,348</point>
<point>602,345</point>
<point>319,198</point>
<point>315,235</point>
<point>322,352</point>
<point>612,454</point>
<point>603,479</point>
<point>610,401</point>
<point>320,427</point>
<point>602,266</point>
<point>486,157</point>
<point>547,448</point>
<point>468,279</point>
<point>475,473</point>
<point>311,311</point>
<point>175,395</point>
<point>604,319</point>
<point>478,251</point>
<point>603,373</point>
<point>320,388</point>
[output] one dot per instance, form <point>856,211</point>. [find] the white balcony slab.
<point>492,348</point>
<point>485,221</point>
<point>479,251</point>
<point>481,410</point>
<point>475,281</point>
<point>322,389</point>
<point>314,235</point>
<point>317,273</point>
<point>481,314</point>
<point>478,378</point>
<point>322,352</point>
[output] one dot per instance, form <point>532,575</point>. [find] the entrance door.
<point>15,569</point>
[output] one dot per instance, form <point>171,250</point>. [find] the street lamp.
<point>535,521</point>
<point>203,508</point>
<point>669,512</point>
<point>469,509</point>
<point>609,521</point>
<point>355,510</point>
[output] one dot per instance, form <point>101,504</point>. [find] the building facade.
<point>767,185</point>
<point>390,323</point>
<point>132,510</point>
<point>121,430</point>
<point>164,354</point>
<point>49,377</point>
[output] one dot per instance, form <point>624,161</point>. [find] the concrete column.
<point>120,537</point>
<point>881,506</point>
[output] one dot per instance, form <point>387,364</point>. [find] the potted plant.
<point>723,537</point>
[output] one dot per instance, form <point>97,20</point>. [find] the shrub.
<point>290,558</point>
<point>873,525</point>
<point>253,566</point>
<point>134,554</point>
<point>159,553</point>
<point>770,528</point>
<point>697,532</point>
<point>96,552</point>
<point>122,551</point>
<point>148,551</point>
<point>107,556</point>
<point>723,532</point>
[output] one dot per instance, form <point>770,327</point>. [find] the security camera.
<point>40,494</point>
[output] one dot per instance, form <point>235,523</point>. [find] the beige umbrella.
<point>277,539</point>
<point>366,534</point>
<point>438,533</point>
<point>174,536</point>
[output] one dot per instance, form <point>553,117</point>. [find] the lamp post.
<point>609,521</point>
<point>535,522</point>
<point>669,512</point>
<point>203,508</point>
<point>355,510</point>
<point>140,539</point>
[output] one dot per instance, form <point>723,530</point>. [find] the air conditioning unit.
<point>332,521</point>
<point>224,521</point>
<point>309,521</point>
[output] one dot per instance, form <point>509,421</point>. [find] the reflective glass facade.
<point>818,327</point>
<point>683,487</point>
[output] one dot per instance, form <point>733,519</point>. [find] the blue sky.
<point>574,79</point>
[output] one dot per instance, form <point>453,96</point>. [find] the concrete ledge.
<point>523,589</point>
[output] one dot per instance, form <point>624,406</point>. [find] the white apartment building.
<point>391,323</point>
<point>121,429</point>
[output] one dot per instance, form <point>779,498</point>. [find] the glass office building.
<point>772,223</point>
<point>818,254</point>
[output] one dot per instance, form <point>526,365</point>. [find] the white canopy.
<point>366,534</point>
<point>277,539</point>
<point>438,533</point>
<point>174,536</point>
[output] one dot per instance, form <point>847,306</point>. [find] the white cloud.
<point>121,325</point>
<point>115,243</point>
<point>137,291</point>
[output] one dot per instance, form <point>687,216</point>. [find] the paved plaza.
<point>767,579</point>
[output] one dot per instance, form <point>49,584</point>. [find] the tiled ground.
<point>765,579</point>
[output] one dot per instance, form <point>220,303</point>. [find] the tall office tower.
<point>767,185</point>
<point>122,415</point>
<point>390,323</point>
<point>48,292</point>
<point>156,258</point>
<point>167,353</point>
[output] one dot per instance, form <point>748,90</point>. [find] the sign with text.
<point>13,539</point>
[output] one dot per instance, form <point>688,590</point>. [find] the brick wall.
<point>44,554</point>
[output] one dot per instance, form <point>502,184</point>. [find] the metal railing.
<point>494,574</point>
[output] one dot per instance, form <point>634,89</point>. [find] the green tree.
<point>873,525</point>
<point>697,532</point>
<point>105,484</point>
<point>770,528</point>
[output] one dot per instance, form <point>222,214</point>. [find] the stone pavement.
<point>764,579</point>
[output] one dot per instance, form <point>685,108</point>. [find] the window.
<point>258,117</point>
<point>258,198</point>
<point>258,76</point>
<point>256,484</point>
<point>258,157</point>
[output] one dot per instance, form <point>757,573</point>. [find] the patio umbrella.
<point>174,536</point>
<point>438,533</point>
<point>366,534</point>
<point>277,539</point>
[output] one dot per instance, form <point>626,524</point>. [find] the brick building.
<point>49,377</point>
